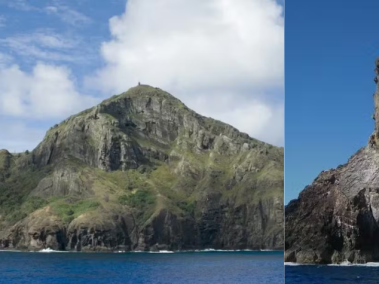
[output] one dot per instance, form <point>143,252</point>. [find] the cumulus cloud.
<point>249,114</point>
<point>47,92</point>
<point>226,54</point>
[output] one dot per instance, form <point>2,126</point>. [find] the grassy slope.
<point>146,192</point>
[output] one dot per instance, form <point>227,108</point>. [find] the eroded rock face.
<point>211,186</point>
<point>109,231</point>
<point>335,219</point>
<point>40,230</point>
<point>63,181</point>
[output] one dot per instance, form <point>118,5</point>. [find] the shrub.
<point>140,199</point>
<point>68,209</point>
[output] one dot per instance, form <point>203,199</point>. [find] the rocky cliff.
<point>141,171</point>
<point>336,218</point>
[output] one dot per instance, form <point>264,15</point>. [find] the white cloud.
<point>47,45</point>
<point>22,5</point>
<point>67,15</point>
<point>64,13</point>
<point>5,59</point>
<point>48,92</point>
<point>210,51</point>
<point>250,115</point>
<point>45,39</point>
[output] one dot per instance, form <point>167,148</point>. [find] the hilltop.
<point>141,171</point>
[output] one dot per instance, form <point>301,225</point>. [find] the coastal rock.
<point>41,229</point>
<point>336,218</point>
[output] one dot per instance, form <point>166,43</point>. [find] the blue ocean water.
<point>157,268</point>
<point>320,274</point>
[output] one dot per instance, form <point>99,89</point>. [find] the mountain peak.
<point>145,91</point>
<point>121,123</point>
<point>144,172</point>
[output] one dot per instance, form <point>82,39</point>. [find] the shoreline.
<point>342,264</point>
<point>48,250</point>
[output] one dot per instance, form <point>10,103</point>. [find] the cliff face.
<point>141,171</point>
<point>336,218</point>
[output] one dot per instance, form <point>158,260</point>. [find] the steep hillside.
<point>141,171</point>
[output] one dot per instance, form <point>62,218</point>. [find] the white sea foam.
<point>162,251</point>
<point>204,250</point>
<point>158,251</point>
<point>229,250</point>
<point>372,264</point>
<point>48,250</point>
<point>347,263</point>
<point>295,264</point>
<point>342,264</point>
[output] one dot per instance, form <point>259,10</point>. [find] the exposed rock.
<point>336,218</point>
<point>107,231</point>
<point>141,171</point>
<point>41,229</point>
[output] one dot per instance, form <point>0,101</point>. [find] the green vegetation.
<point>140,199</point>
<point>14,193</point>
<point>5,158</point>
<point>32,204</point>
<point>70,208</point>
<point>143,201</point>
<point>188,207</point>
<point>128,180</point>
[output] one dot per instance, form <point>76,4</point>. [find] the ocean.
<point>158,268</point>
<point>321,274</point>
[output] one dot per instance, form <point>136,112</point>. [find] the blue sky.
<point>224,59</point>
<point>330,49</point>
<point>81,22</point>
<point>65,34</point>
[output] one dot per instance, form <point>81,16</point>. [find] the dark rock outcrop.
<point>336,218</point>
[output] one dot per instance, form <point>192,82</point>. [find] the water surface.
<point>195,267</point>
<point>320,274</point>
